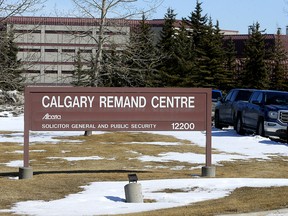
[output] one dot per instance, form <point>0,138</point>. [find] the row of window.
<point>49,72</point>
<point>53,50</point>
<point>27,31</point>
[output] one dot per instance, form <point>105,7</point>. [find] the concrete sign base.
<point>25,172</point>
<point>208,171</point>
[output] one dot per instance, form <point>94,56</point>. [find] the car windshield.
<point>276,98</point>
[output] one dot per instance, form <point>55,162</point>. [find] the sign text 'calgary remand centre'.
<point>122,109</point>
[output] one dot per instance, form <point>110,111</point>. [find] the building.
<point>48,46</point>
<point>240,40</point>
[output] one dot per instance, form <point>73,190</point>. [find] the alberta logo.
<point>47,116</point>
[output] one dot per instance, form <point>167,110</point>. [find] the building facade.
<point>48,46</point>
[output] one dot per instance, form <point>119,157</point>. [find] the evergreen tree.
<point>197,23</point>
<point>87,76</point>
<point>208,50</point>
<point>168,33</point>
<point>116,72</point>
<point>213,58</point>
<point>278,80</point>
<point>184,59</point>
<point>232,77</point>
<point>80,75</point>
<point>167,45</point>
<point>141,56</point>
<point>10,73</point>
<point>255,72</point>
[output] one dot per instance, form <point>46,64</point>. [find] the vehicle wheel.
<point>217,121</point>
<point>239,126</point>
<point>260,128</point>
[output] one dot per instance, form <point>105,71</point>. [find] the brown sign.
<point>117,109</point>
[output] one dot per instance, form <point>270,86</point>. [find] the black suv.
<point>225,109</point>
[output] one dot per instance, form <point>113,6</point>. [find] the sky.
<point>231,14</point>
<point>108,198</point>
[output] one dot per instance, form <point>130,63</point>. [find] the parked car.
<point>225,114</point>
<point>266,114</point>
<point>216,95</point>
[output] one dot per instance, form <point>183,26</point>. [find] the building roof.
<point>240,40</point>
<point>77,21</point>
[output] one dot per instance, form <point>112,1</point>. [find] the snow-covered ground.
<point>104,198</point>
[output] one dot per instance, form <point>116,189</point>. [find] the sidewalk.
<point>279,212</point>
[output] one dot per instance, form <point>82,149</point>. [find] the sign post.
<point>116,109</point>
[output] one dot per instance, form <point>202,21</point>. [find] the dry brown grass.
<point>56,178</point>
<point>241,200</point>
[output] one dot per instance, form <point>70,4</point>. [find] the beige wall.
<point>48,51</point>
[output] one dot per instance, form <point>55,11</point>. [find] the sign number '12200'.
<point>183,126</point>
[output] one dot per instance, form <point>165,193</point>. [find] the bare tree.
<point>119,10</point>
<point>10,8</point>
<point>10,73</point>
<point>103,11</point>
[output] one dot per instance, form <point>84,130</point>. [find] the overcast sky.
<point>231,14</point>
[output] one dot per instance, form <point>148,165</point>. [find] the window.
<point>68,32</point>
<point>26,31</point>
<point>51,71</point>
<point>85,51</point>
<point>51,50</point>
<point>29,50</point>
<point>68,72</point>
<point>260,98</point>
<point>243,95</point>
<point>255,96</point>
<point>32,71</point>
<point>229,95</point>
<point>68,50</point>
